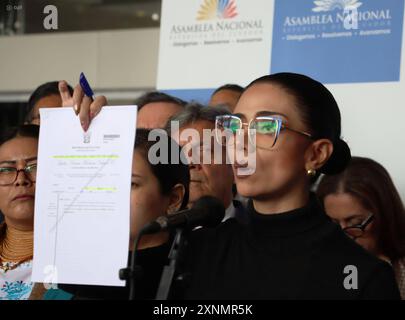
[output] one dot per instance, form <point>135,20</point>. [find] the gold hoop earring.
<point>311,173</point>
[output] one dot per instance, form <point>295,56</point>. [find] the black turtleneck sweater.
<point>299,254</point>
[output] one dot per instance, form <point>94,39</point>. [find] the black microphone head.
<point>209,212</point>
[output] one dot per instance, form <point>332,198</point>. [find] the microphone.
<point>207,211</point>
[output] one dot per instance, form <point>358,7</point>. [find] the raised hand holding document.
<point>81,228</point>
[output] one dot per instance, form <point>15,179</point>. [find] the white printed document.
<point>82,201</point>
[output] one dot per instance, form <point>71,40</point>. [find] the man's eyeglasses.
<point>8,175</point>
<point>357,230</point>
<point>263,131</point>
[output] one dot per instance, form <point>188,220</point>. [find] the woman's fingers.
<point>67,100</point>
<point>86,108</point>
<point>84,114</point>
<point>78,95</point>
<point>96,106</point>
<point>89,108</point>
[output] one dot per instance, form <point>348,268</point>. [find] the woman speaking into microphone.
<point>290,249</point>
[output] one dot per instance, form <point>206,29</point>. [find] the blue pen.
<point>85,86</point>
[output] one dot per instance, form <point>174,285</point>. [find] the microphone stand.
<point>203,209</point>
<point>133,272</point>
<point>172,269</point>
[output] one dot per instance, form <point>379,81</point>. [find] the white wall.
<point>373,121</point>
<point>125,59</point>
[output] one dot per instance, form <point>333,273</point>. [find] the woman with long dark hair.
<point>364,201</point>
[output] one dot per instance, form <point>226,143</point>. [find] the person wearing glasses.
<point>18,164</point>
<point>290,249</point>
<point>363,200</point>
<point>212,177</point>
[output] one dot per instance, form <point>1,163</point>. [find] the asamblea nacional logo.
<point>217,22</point>
<point>217,9</point>
<point>362,38</point>
<point>330,5</point>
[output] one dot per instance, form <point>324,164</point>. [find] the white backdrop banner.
<point>207,43</point>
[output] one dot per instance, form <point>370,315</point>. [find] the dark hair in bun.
<point>319,111</point>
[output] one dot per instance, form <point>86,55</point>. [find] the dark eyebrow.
<point>15,161</point>
<point>270,113</point>
<point>136,176</point>
<point>239,115</point>
<point>354,216</point>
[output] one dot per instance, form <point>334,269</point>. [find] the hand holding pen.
<point>84,103</point>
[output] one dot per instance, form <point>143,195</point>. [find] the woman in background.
<point>156,190</point>
<point>364,201</point>
<point>18,167</point>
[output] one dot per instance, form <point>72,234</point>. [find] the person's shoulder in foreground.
<point>235,261</point>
